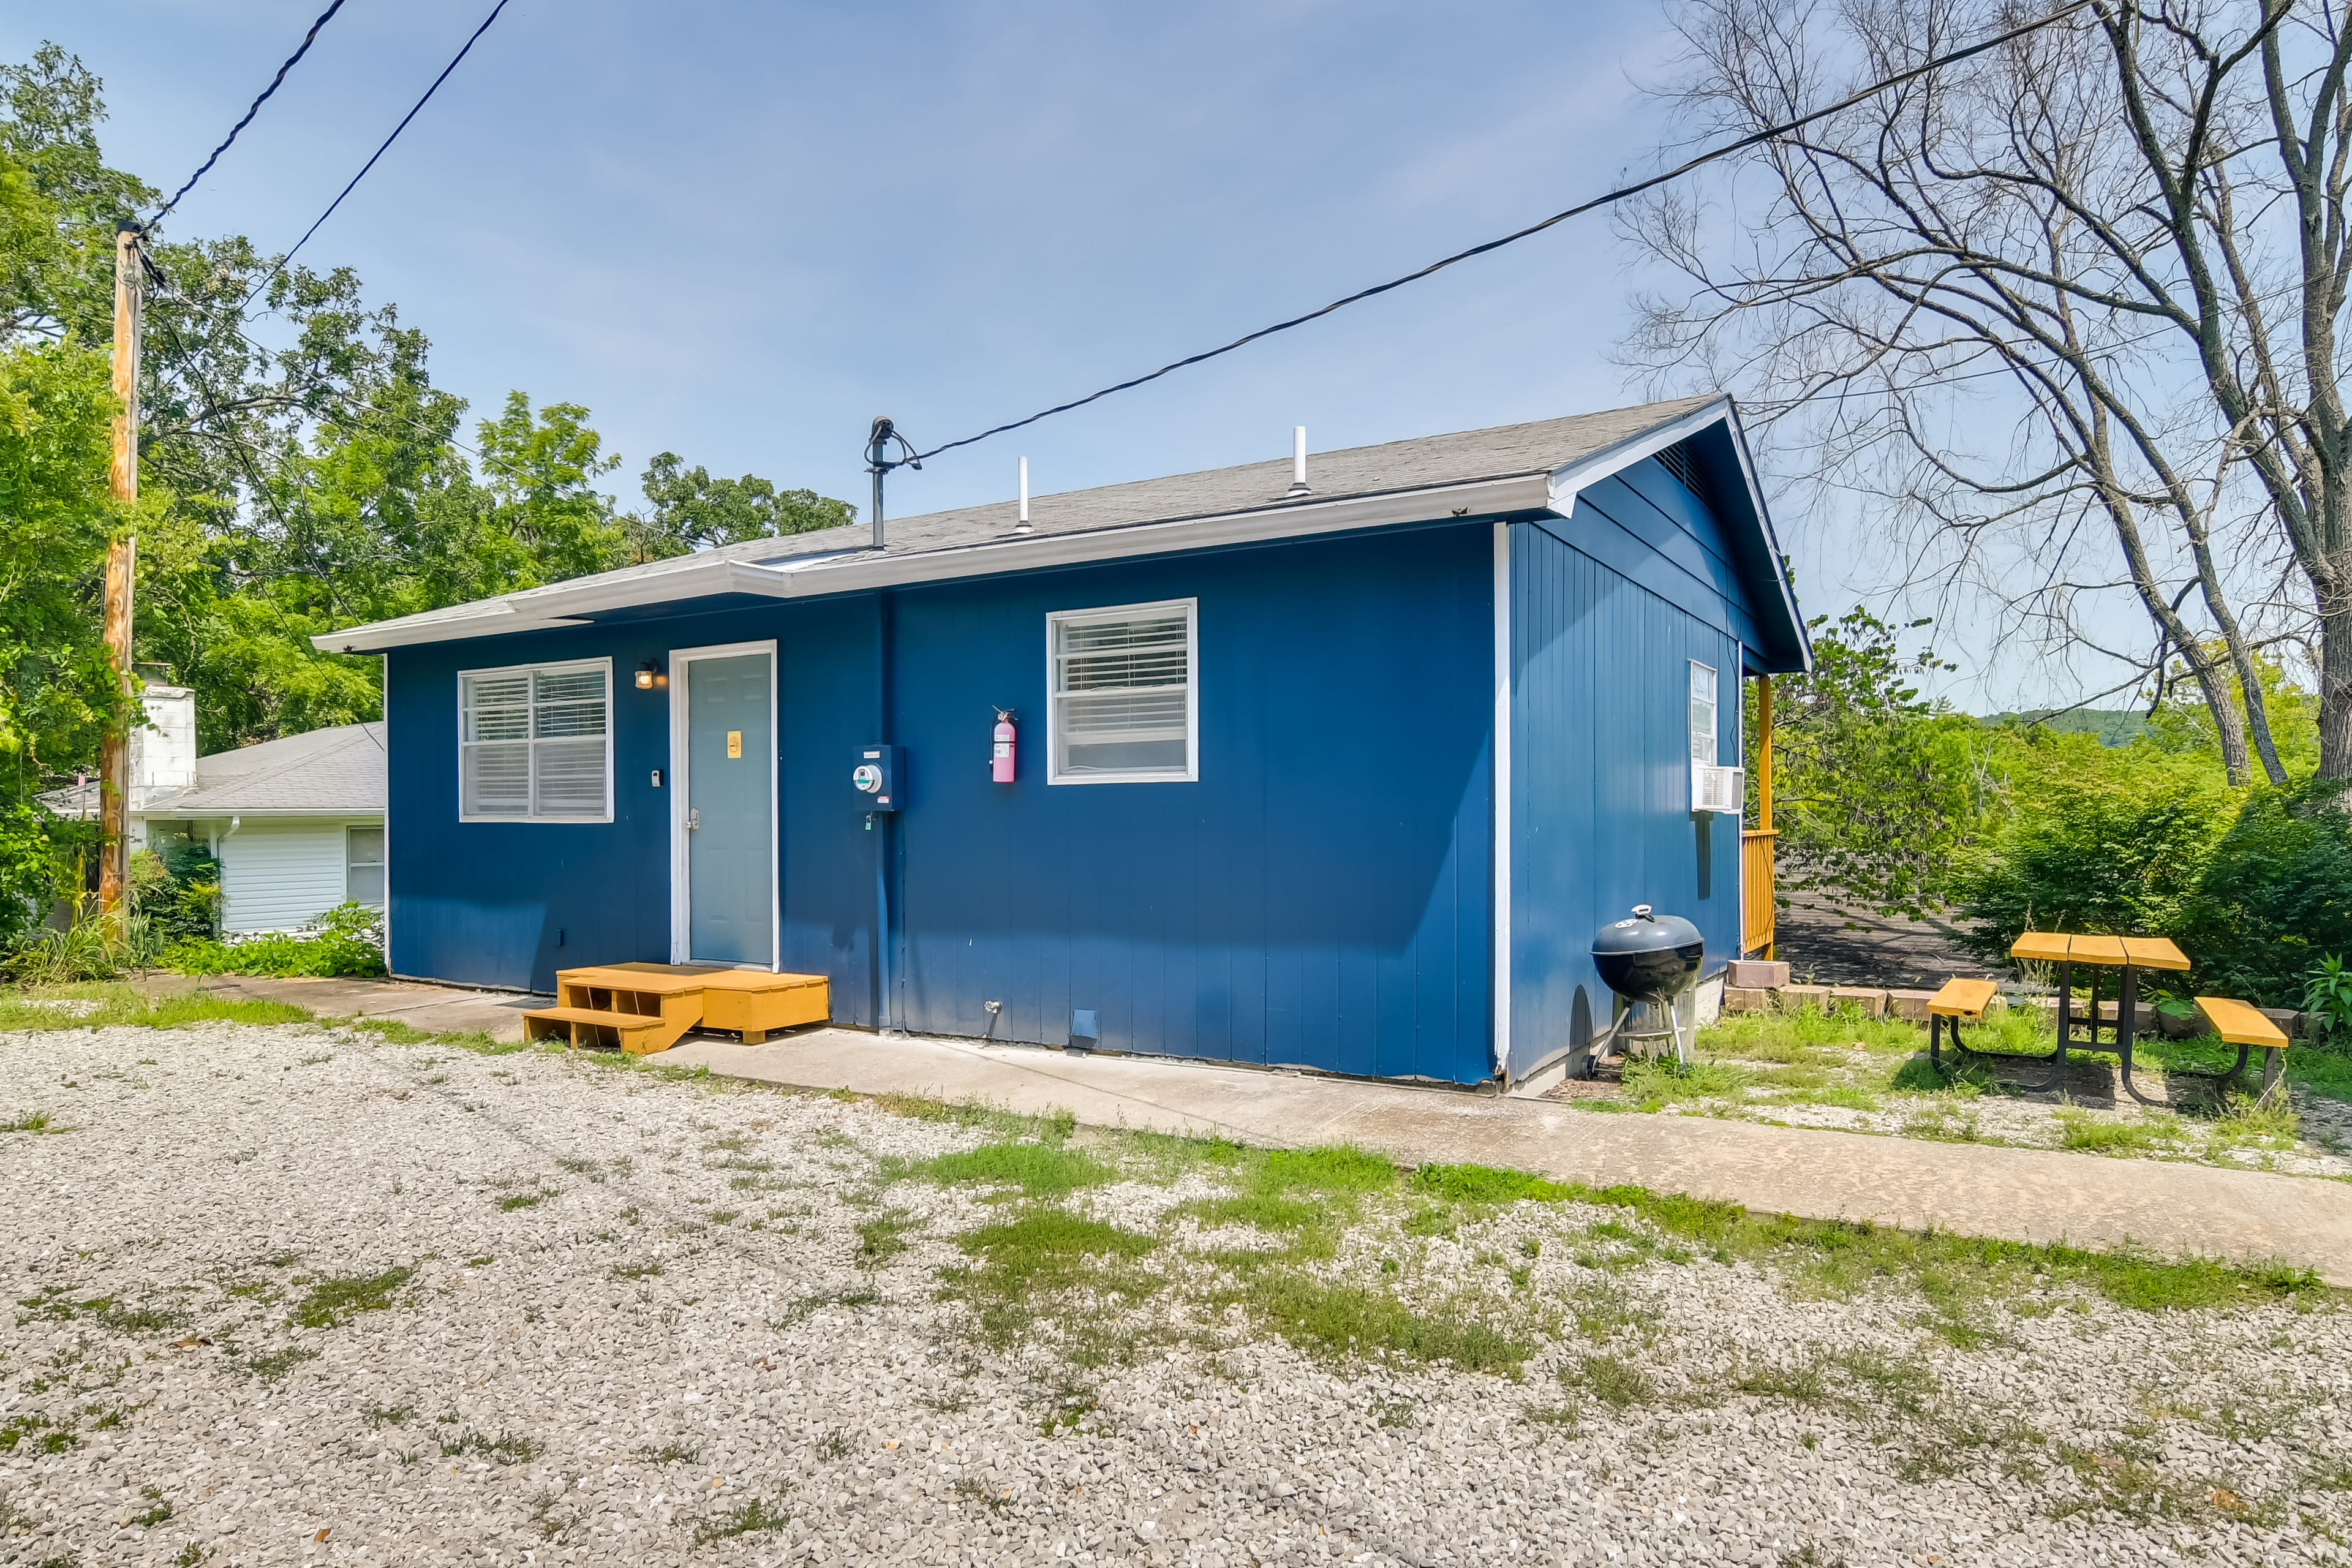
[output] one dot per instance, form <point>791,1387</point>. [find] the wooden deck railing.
<point>1755,904</point>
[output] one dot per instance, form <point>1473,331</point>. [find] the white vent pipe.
<point>1023,527</point>
<point>1298,461</point>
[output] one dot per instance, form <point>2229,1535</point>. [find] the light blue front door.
<point>730,846</point>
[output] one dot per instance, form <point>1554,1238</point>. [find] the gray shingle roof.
<point>333,771</point>
<point>1424,462</point>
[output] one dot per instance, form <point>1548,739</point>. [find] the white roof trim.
<point>855,570</point>
<point>842,572</point>
<point>1575,478</point>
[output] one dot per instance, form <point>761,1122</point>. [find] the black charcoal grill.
<point>1651,961</point>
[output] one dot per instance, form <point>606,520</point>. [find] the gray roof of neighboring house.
<point>336,771</point>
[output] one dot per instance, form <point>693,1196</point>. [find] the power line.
<point>388,141</point>
<point>307,38</point>
<point>1619,194</point>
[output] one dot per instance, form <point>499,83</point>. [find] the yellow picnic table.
<point>2128,953</point>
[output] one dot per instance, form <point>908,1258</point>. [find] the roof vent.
<point>1297,464</point>
<point>1022,526</point>
<point>1676,460</point>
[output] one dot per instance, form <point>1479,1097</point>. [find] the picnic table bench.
<point>2245,1027</point>
<point>2237,1024</point>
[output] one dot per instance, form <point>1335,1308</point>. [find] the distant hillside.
<point>2113,726</point>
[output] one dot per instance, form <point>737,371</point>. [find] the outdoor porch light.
<point>645,675</point>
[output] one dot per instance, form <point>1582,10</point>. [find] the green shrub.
<point>2328,997</point>
<point>348,940</point>
<point>2253,883</point>
<point>2275,895</point>
<point>175,892</point>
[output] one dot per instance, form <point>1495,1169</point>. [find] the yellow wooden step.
<point>636,1033</point>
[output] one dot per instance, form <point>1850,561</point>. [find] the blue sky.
<point>738,231</point>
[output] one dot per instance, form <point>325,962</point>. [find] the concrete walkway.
<point>2025,1194</point>
<point>442,1009</point>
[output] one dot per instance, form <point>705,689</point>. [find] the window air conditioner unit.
<point>1719,789</point>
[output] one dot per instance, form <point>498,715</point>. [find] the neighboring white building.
<point>296,824</point>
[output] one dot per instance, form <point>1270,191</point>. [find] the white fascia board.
<point>1772,540</point>
<point>851,571</point>
<point>496,618</point>
<point>1572,479</point>
<point>261,813</point>
<point>1024,553</point>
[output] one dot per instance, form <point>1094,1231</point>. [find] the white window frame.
<point>1054,621</point>
<point>383,863</point>
<point>1713,716</point>
<point>533,817</point>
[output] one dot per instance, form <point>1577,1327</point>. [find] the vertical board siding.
<point>279,875</point>
<point>1600,816</point>
<point>1302,903</point>
<point>1318,897</point>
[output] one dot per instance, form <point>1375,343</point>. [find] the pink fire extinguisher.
<point>1001,764</point>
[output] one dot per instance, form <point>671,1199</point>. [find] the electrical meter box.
<point>876,778</point>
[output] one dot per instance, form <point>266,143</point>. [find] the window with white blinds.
<point>1125,697</point>
<point>1701,715</point>
<point>534,743</point>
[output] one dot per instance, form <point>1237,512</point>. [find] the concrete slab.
<point>2024,1194</point>
<point>444,1009</point>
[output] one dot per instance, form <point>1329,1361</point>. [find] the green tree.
<point>691,510</point>
<point>1877,791</point>
<point>540,471</point>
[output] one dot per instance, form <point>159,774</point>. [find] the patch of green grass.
<point>1336,1170</point>
<point>2267,1120</point>
<point>506,1449</point>
<point>333,1301</point>
<point>636,1271</point>
<point>752,1517</point>
<point>36,1122</point>
<point>269,1366</point>
<point>1489,1185</point>
<point>1355,1320</point>
<point>883,1237</point>
<point>1616,1383</point>
<point>42,1434</point>
<point>1801,1384</point>
<point>158,1509</point>
<point>1264,1210</point>
<point>670,1453</point>
<point>379,1416</point>
<point>514,1201</point>
<point>802,1309</point>
<point>1033,1169</point>
<point>119,1004</point>
<point>1655,1083</point>
<point>1841,1258</point>
<point>1044,1252</point>
<point>2083,1130</point>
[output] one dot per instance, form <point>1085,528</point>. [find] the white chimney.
<point>163,748</point>
<point>1022,526</point>
<point>1297,463</point>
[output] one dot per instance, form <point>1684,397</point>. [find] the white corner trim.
<point>1571,481</point>
<point>1502,832</point>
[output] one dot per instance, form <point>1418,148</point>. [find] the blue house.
<point>1342,776</point>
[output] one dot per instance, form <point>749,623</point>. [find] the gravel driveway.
<point>291,1295</point>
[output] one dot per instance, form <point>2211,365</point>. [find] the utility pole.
<point>122,563</point>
